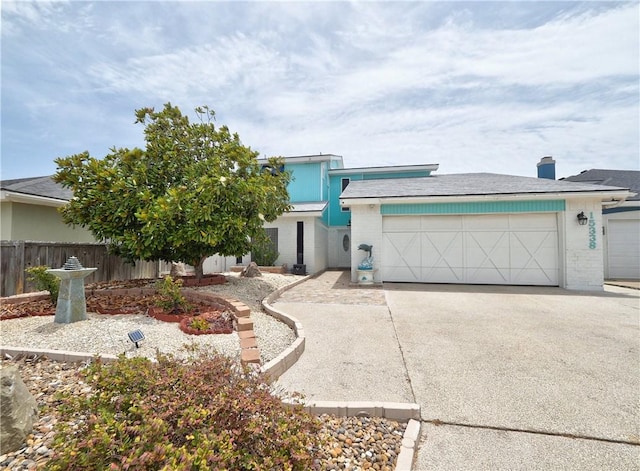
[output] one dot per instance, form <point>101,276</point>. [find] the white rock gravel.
<point>108,334</point>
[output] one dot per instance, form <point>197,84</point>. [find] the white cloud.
<point>477,87</point>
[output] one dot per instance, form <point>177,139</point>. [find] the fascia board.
<point>298,214</point>
<point>32,199</point>
<point>305,158</point>
<point>602,195</point>
<point>390,169</point>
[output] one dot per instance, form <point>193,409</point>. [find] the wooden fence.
<point>17,255</point>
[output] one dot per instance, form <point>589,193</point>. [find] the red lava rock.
<point>219,324</point>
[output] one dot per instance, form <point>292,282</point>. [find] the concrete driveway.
<point>521,378</point>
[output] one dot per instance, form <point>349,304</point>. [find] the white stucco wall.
<point>315,242</point>
<point>366,228</point>
<point>582,246</point>
<point>218,263</point>
<point>321,246</point>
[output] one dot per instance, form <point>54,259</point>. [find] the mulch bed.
<point>129,304</point>
<point>112,304</point>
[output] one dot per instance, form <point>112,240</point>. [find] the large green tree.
<point>194,191</point>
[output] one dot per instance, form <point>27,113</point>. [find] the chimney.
<point>547,168</point>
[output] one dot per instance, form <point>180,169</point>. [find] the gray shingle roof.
<point>623,178</point>
<point>464,184</point>
<point>308,207</point>
<point>37,186</point>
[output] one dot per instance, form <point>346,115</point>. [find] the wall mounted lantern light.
<point>582,219</point>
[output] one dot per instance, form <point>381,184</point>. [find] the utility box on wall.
<point>299,269</point>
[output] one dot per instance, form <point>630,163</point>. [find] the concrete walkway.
<point>352,351</point>
<point>502,374</point>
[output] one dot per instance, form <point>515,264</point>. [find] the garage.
<point>503,249</point>
<point>623,249</point>
<point>482,228</point>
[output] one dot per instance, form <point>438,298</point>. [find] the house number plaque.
<point>592,231</point>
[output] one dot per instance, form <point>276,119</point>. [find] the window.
<point>345,183</point>
<point>272,234</point>
<point>273,171</point>
<point>272,246</point>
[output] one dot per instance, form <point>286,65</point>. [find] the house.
<point>29,211</point>
<point>316,233</point>
<point>620,224</point>
<point>474,228</point>
<point>482,228</point>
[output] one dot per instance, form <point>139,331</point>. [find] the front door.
<point>343,248</point>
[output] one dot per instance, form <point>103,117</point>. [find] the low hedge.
<point>205,413</point>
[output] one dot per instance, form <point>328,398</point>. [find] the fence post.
<point>20,267</point>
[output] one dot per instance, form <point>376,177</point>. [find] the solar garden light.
<point>136,336</point>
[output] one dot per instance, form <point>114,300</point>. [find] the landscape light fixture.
<point>136,336</point>
<point>582,219</point>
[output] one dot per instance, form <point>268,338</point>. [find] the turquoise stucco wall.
<point>337,217</point>
<point>306,182</point>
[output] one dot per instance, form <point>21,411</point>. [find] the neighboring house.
<point>620,223</point>
<point>316,233</point>
<point>29,211</point>
<point>482,228</point>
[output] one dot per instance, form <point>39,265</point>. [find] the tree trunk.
<point>199,268</point>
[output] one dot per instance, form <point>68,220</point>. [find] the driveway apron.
<point>504,374</point>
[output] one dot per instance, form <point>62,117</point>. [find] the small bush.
<point>171,298</point>
<point>202,414</point>
<point>199,323</point>
<point>263,253</point>
<point>44,281</point>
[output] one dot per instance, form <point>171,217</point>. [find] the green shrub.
<point>199,323</point>
<point>171,298</point>
<point>44,281</point>
<point>263,253</point>
<point>203,414</point>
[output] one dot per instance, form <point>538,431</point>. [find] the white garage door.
<point>623,244</point>
<point>514,249</point>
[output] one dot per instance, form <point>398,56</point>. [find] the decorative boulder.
<point>178,269</point>
<point>251,271</point>
<point>18,410</point>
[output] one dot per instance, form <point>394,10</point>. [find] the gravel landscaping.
<point>108,333</point>
<point>353,443</point>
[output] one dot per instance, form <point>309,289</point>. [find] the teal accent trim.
<point>623,209</point>
<point>475,207</point>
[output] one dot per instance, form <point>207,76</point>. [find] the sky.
<point>471,86</point>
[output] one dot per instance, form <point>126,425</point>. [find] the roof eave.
<point>389,169</point>
<point>305,158</point>
<point>603,195</point>
<point>302,213</point>
<point>31,199</point>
